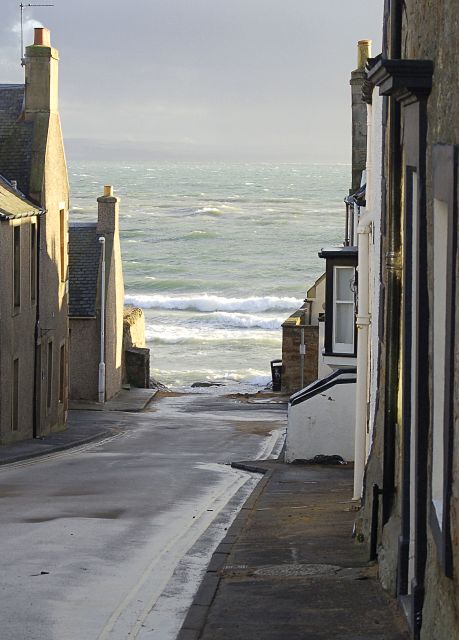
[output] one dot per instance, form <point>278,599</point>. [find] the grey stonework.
<point>429,31</point>
<point>291,361</point>
<point>359,128</point>
<point>138,367</point>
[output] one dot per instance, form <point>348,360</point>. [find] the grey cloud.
<point>262,78</point>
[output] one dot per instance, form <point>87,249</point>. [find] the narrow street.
<point>110,540</point>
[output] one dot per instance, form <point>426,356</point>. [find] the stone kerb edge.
<point>196,617</point>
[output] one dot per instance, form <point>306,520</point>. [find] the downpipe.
<point>374,522</point>
<point>101,388</point>
<point>362,323</point>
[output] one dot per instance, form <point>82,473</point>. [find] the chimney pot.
<point>363,53</point>
<point>42,37</point>
<point>108,190</point>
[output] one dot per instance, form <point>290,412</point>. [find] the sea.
<point>217,255</point>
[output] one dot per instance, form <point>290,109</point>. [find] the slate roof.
<point>84,260</point>
<point>15,136</point>
<point>15,205</point>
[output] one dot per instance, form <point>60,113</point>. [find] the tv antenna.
<point>23,6</point>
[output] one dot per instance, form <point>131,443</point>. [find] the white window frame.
<point>341,347</point>
<point>440,266</point>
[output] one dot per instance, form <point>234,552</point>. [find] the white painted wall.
<point>323,370</point>
<point>374,195</point>
<point>323,424</point>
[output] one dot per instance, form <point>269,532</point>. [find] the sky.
<point>261,80</point>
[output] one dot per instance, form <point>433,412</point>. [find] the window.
<point>344,314</point>
<point>340,340</point>
<point>49,392</point>
<point>15,398</point>
<point>17,266</point>
<point>33,262</point>
<point>440,233</point>
<point>62,244</point>
<point>62,374</point>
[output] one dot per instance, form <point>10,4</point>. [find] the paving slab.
<point>293,569</point>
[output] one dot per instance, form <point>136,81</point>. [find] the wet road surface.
<point>110,541</point>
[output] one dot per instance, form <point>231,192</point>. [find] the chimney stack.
<point>359,115</point>
<point>41,74</point>
<point>108,212</point>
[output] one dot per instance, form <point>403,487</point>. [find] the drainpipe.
<point>363,324</point>
<point>102,327</point>
<point>36,368</point>
<point>361,443</point>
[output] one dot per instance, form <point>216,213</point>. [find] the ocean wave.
<point>179,334</point>
<point>243,320</point>
<point>177,377</point>
<point>201,235</point>
<point>211,211</point>
<point>209,303</point>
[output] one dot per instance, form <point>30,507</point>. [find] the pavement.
<point>131,400</point>
<point>79,433</point>
<point>289,567</point>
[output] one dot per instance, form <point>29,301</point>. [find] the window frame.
<point>62,246</point>
<point>445,189</point>
<point>15,404</point>
<point>49,374</point>
<point>16,264</point>
<point>336,258</point>
<point>342,347</point>
<point>33,262</point>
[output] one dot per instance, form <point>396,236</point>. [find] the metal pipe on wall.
<point>102,326</point>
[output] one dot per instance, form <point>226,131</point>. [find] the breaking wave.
<point>179,334</point>
<point>242,320</point>
<point>208,303</point>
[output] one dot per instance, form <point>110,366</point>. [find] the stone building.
<point>34,324</point>
<point>322,411</point>
<point>96,333</point>
<point>19,220</point>
<point>410,514</point>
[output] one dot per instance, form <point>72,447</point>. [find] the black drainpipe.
<point>374,522</point>
<point>36,372</point>
<point>394,273</point>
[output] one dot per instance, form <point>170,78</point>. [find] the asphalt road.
<point>110,541</point>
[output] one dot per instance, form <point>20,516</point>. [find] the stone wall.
<point>84,359</point>
<point>291,362</point>
<point>17,335</point>
<point>431,31</point>
<point>133,328</point>
<point>137,367</point>
<point>136,359</point>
